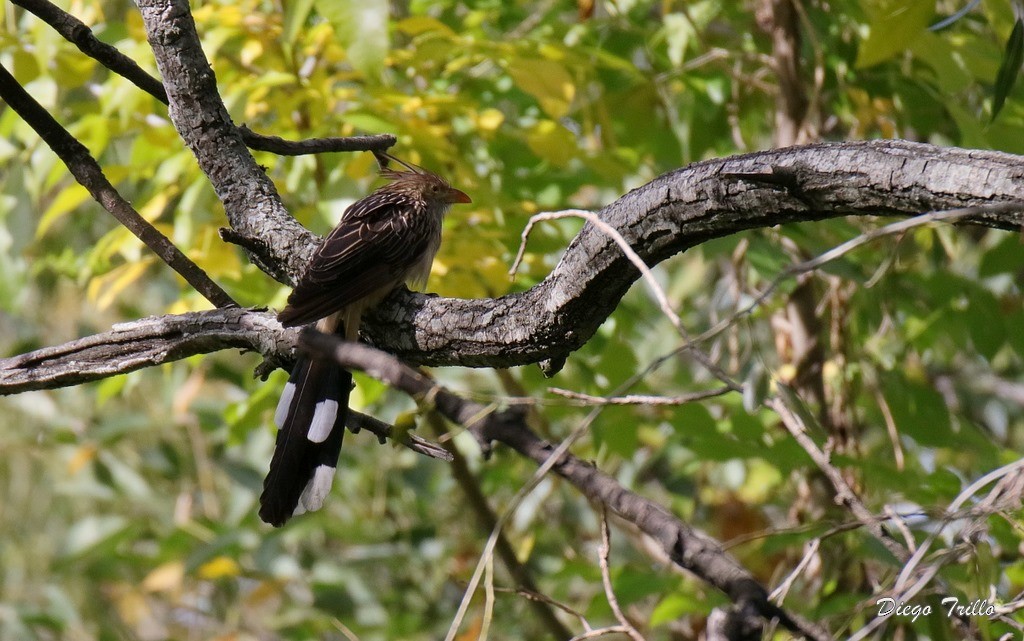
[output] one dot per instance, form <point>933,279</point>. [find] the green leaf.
<point>295,14</point>
<point>694,419</point>
<point>362,26</point>
<point>631,585</point>
<point>985,322</point>
<point>92,532</point>
<point>755,388</point>
<point>551,141</point>
<point>950,74</point>
<point>765,257</point>
<point>895,27</point>
<point>109,388</point>
<point>918,411</point>
<point>1009,69</point>
<point>70,197</point>
<point>1006,257</point>
<point>617,432</point>
<point>678,34</point>
<point>674,606</point>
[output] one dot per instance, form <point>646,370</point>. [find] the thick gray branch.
<point>682,209</point>
<point>143,343</point>
<point>250,200</point>
<point>549,321</point>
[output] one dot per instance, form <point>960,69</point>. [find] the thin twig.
<point>531,595</point>
<point>845,248</point>
<point>358,421</point>
<point>905,592</point>
<point>645,272</point>
<point>639,399</point>
<point>612,233</point>
<point>488,614</point>
<point>963,497</point>
<point>344,629</point>
<point>811,551</point>
<point>1011,606</point>
<point>890,426</point>
<point>901,525</point>
<point>603,552</point>
<point>600,632</point>
<point>844,493</point>
<point>510,511</point>
<point>478,503</point>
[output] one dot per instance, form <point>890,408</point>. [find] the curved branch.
<point>682,209</point>
<point>79,34</point>
<point>672,213</point>
<point>677,211</point>
<point>686,546</point>
<point>143,343</point>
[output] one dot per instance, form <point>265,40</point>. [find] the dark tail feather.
<point>311,424</point>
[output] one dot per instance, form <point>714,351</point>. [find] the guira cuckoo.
<point>388,238</point>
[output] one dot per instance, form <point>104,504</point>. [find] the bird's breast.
<point>420,270</point>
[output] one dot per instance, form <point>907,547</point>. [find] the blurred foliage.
<point>127,507</point>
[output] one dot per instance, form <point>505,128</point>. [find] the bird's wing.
<point>378,239</point>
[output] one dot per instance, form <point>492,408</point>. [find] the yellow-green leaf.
<point>295,14</point>
<point>551,141</point>
<point>547,81</point>
<point>362,25</point>
<point>219,568</point>
<point>104,290</point>
<point>70,197</point>
<point>165,577</point>
<point>416,25</point>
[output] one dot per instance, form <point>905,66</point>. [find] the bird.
<point>388,238</point>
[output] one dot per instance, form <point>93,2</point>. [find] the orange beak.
<point>457,196</point>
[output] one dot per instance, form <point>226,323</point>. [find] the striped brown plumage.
<point>385,239</point>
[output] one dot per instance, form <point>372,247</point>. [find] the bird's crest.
<point>383,158</point>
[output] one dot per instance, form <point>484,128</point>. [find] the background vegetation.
<point>127,507</point>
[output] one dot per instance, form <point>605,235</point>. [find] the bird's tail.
<point>311,424</point>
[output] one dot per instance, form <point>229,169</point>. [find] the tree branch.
<point>682,209</point>
<point>282,147</point>
<point>477,501</point>
<point>143,343</point>
<point>672,213</point>
<point>251,201</point>
<point>79,34</point>
<point>685,546</point>
<point>357,421</point>
<point>780,20</point>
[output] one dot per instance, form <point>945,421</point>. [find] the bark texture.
<point>549,321</point>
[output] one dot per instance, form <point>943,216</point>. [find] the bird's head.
<point>425,185</point>
<point>420,183</point>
